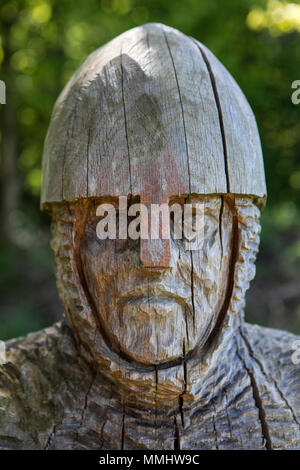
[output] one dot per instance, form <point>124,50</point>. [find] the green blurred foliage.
<point>42,42</point>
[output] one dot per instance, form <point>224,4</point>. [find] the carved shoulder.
<point>269,357</point>
<point>274,349</point>
<point>32,385</point>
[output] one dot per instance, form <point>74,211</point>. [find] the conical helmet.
<point>152,113</point>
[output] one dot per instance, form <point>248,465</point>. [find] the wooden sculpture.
<point>153,351</point>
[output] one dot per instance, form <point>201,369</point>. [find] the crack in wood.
<point>258,403</point>
<point>220,227</point>
<point>227,414</point>
<point>220,113</point>
<point>258,362</point>
<point>192,288</point>
<point>50,438</point>
<point>215,433</point>
<point>181,396</point>
<point>102,431</point>
<point>125,119</point>
<point>85,405</point>
<point>176,435</point>
<point>182,112</point>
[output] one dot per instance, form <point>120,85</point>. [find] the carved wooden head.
<point>152,115</point>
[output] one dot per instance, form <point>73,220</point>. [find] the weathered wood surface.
<point>51,398</point>
<point>152,358</point>
<point>68,387</point>
<point>151,95</point>
<point>151,114</point>
<point>241,140</point>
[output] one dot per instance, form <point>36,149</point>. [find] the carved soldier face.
<point>156,316</point>
<point>134,120</point>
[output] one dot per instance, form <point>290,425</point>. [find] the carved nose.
<point>154,252</point>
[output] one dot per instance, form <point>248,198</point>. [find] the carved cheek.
<point>99,270</point>
<point>108,269</point>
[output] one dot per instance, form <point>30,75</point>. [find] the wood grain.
<point>241,138</point>
<point>66,388</point>
<point>152,112</point>
<point>152,358</point>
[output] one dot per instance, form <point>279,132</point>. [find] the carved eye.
<point>124,245</point>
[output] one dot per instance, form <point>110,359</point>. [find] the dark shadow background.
<point>42,42</point>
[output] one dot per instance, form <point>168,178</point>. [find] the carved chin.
<point>151,330</point>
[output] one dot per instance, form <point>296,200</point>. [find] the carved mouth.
<point>152,294</point>
<point>149,300</point>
